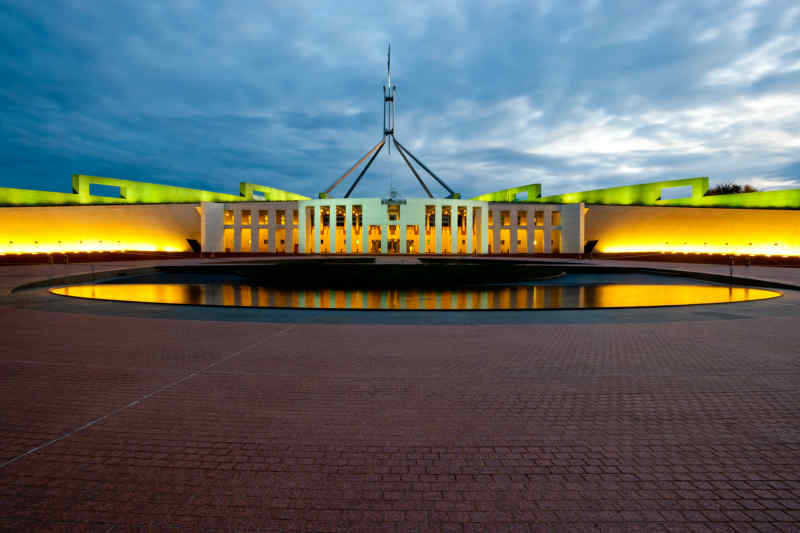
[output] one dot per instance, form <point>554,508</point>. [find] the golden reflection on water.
<point>488,298</point>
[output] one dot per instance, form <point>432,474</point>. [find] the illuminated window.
<point>294,216</point>
<point>393,212</point>
<point>280,215</point>
<point>555,241</point>
<point>505,218</point>
<point>280,241</point>
<point>247,239</point>
<point>263,217</point>
<point>247,218</point>
<point>375,239</point>
<point>522,241</point>
<point>412,234</point>
<point>356,233</point>
<point>538,218</point>
<point>228,238</point>
<point>228,219</point>
<point>522,218</point>
<point>556,218</point>
<point>358,219</point>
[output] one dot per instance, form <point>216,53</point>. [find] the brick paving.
<point>118,423</point>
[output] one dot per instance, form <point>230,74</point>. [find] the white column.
<point>332,228</point>
<point>531,225</point>
<point>438,219</point>
<point>317,226</point>
<point>453,229</point>
<point>301,228</point>
<point>469,212</point>
<point>271,223</point>
<point>290,231</point>
<point>211,227</point>
<point>401,227</point>
<point>364,228</point>
<point>496,236</point>
<point>237,230</point>
<point>484,229</point>
<point>348,228</point>
<point>548,230</point>
<point>512,215</point>
<point>384,228</point>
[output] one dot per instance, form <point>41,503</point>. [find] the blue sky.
<point>573,95</point>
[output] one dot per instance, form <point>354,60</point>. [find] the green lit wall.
<point>642,194</point>
<point>649,194</point>
<point>136,192</point>
<point>534,191</point>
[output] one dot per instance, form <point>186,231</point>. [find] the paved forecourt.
<point>117,417</point>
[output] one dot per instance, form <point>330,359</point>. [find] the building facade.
<point>138,216</point>
<point>392,226</point>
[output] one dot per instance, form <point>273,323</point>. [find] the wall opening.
<point>109,191</point>
<point>676,193</point>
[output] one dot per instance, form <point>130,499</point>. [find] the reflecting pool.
<point>514,297</point>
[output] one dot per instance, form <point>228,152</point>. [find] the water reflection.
<point>486,298</point>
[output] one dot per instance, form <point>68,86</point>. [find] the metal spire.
<point>389,138</point>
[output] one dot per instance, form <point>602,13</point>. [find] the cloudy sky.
<point>573,95</point>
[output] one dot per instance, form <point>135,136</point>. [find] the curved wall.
<point>694,230</point>
<point>99,228</point>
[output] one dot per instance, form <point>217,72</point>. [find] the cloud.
<point>572,95</point>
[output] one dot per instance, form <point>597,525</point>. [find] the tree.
<point>730,188</point>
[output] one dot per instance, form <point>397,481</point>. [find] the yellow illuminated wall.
<point>694,230</point>
<point>99,228</point>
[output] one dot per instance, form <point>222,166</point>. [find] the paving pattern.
<point>135,423</point>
